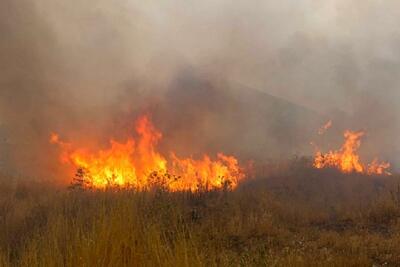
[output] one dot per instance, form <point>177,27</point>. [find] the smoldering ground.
<point>252,78</point>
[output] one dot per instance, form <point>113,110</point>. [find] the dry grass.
<point>295,216</point>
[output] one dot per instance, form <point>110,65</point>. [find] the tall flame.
<point>347,159</point>
<point>138,164</point>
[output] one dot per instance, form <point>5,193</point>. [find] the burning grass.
<point>137,164</point>
<point>294,216</point>
<point>347,158</point>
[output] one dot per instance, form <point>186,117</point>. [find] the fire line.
<point>138,164</point>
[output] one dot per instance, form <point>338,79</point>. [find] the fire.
<point>137,164</point>
<point>325,128</point>
<point>347,159</point>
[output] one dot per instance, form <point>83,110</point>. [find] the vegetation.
<point>292,216</point>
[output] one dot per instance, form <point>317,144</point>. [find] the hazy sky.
<point>59,56</point>
<point>320,53</point>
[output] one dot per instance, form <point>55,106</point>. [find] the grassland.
<point>291,215</point>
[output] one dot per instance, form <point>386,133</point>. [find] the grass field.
<point>291,215</point>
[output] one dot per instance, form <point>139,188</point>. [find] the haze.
<point>67,64</point>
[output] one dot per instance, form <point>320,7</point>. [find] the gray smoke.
<point>253,78</point>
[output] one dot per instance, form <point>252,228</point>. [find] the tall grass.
<point>294,217</point>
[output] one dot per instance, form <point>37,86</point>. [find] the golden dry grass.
<point>295,216</point>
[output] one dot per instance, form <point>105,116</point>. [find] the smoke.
<point>254,78</point>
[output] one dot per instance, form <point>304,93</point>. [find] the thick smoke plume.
<point>254,78</point>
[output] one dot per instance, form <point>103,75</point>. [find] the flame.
<point>325,128</point>
<point>137,164</point>
<point>347,159</point>
<point>376,167</point>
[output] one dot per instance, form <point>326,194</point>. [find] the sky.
<point>66,60</point>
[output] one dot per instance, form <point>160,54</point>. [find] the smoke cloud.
<point>253,78</point>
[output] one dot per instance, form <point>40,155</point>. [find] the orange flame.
<point>137,164</point>
<point>325,128</point>
<point>347,160</point>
